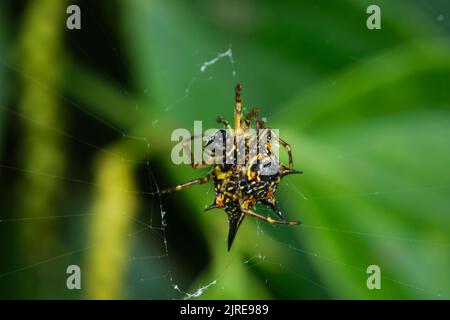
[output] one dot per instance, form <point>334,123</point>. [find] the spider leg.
<point>269,219</point>
<point>272,205</point>
<point>254,114</point>
<point>238,108</point>
<point>188,183</point>
<point>285,172</point>
<point>224,121</point>
<point>187,148</point>
<point>288,149</point>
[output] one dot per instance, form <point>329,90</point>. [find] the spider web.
<point>157,223</point>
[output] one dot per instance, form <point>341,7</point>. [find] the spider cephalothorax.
<point>246,173</point>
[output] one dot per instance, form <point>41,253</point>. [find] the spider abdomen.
<point>232,188</point>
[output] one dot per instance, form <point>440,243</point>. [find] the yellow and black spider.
<point>239,186</point>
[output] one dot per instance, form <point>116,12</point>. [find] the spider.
<point>239,186</point>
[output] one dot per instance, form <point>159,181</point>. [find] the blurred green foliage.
<point>367,114</point>
<point>3,40</point>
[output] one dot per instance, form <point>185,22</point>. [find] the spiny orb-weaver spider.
<point>238,187</point>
